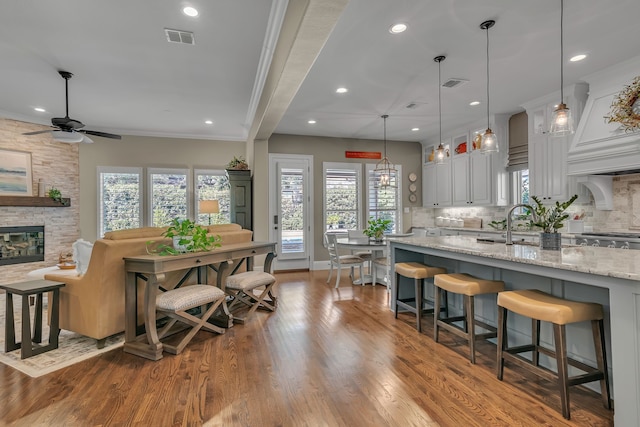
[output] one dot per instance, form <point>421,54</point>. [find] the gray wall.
<point>407,154</point>
<point>155,152</point>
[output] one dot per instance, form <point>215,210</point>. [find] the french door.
<point>290,210</point>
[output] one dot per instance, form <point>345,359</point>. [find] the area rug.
<point>72,347</point>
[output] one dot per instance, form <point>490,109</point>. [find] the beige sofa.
<point>93,304</point>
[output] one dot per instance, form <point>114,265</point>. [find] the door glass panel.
<point>292,211</point>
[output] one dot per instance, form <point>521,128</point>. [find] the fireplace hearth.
<point>21,244</point>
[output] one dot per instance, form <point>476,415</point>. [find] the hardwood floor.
<point>326,357</point>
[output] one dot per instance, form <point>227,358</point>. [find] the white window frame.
<point>370,167</point>
<point>196,195</point>
<point>357,168</point>
<point>117,170</point>
<point>176,171</point>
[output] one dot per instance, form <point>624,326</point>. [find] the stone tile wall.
<point>58,165</point>
<point>625,216</point>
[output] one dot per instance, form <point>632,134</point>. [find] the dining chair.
<point>365,255</point>
<point>338,261</point>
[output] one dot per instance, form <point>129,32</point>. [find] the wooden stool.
<point>419,272</point>
<point>175,303</point>
<point>469,287</point>
<point>241,288</point>
<point>540,306</point>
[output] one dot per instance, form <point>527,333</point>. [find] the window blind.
<point>518,142</point>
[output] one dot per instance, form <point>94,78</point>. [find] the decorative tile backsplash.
<point>625,215</point>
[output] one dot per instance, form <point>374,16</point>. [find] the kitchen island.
<point>607,276</point>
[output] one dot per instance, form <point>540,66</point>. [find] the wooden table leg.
<point>54,327</point>
<point>37,319</point>
<point>10,326</point>
<point>26,346</point>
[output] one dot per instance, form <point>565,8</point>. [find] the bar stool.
<point>469,287</point>
<point>540,306</point>
<point>419,272</point>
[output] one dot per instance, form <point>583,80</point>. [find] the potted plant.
<point>376,228</point>
<point>237,164</point>
<point>56,196</point>
<point>187,237</point>
<point>549,219</point>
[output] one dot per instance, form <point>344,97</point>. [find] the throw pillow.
<point>82,254</point>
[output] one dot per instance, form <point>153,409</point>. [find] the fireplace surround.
<point>21,244</point>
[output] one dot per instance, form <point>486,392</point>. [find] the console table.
<point>30,346</point>
<point>151,269</point>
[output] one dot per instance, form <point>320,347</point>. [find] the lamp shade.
<point>67,137</point>
<point>208,206</point>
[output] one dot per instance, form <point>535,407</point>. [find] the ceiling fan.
<point>66,129</point>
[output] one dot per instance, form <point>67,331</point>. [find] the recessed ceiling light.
<point>208,122</point>
<point>415,129</point>
<point>190,11</point>
<point>342,90</point>
<point>474,103</point>
<point>312,122</point>
<point>577,58</point>
<point>398,28</point>
<point>40,110</point>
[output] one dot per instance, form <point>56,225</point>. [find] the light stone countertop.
<point>619,263</point>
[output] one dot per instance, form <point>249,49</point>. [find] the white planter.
<point>176,243</point>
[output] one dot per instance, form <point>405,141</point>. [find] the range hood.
<point>599,147</point>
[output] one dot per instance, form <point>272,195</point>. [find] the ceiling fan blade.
<point>38,132</point>
<point>102,134</point>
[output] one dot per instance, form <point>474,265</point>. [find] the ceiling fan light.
<point>67,137</point>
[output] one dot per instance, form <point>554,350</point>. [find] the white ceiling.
<point>129,80</point>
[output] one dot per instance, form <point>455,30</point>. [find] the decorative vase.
<point>551,241</point>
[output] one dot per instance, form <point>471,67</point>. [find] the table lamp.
<point>209,207</point>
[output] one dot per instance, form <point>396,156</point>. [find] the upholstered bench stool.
<point>468,286</point>
<point>540,306</point>
<point>419,272</point>
<point>240,287</point>
<point>175,303</point>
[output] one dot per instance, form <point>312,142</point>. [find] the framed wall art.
<point>15,173</point>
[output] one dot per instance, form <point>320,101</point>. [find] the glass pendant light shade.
<point>561,121</point>
<point>385,174</point>
<point>440,155</point>
<point>489,142</point>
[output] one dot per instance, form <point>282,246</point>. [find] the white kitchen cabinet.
<point>548,178</point>
<point>471,179</point>
<point>436,179</point>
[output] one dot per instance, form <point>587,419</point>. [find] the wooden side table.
<point>31,345</point>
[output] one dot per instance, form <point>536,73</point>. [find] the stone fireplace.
<point>58,165</point>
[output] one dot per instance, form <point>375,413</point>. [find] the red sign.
<point>362,155</point>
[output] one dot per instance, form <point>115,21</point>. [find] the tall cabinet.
<point>548,154</point>
<point>436,179</point>
<point>241,198</point>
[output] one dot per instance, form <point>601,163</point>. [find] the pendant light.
<point>385,173</point>
<point>440,152</point>
<point>561,121</point>
<point>489,140</point>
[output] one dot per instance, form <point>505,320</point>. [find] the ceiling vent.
<point>178,36</point>
<point>414,104</point>
<point>454,82</point>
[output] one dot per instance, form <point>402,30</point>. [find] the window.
<point>119,199</point>
<point>212,185</point>
<point>342,200</point>
<point>168,195</point>
<point>520,183</point>
<point>385,202</point>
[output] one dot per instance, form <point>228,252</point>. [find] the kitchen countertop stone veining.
<point>619,263</point>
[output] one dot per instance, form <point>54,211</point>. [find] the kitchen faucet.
<point>509,240</point>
